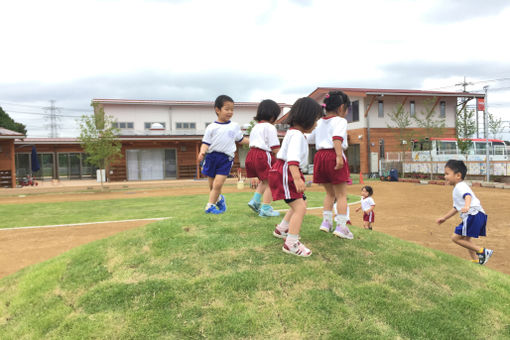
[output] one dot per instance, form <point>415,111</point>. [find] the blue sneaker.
<point>222,204</point>
<point>268,212</point>
<point>214,210</point>
<point>255,206</point>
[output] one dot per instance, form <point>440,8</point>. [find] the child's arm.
<point>245,141</point>
<point>358,208</point>
<point>337,144</point>
<point>275,150</point>
<point>370,209</point>
<point>450,213</point>
<point>467,204</point>
<point>296,175</point>
<point>203,151</point>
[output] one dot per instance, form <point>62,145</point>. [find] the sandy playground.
<point>404,210</point>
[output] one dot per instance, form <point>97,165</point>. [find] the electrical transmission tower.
<point>464,101</point>
<point>52,117</point>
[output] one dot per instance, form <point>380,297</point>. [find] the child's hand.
<point>339,163</point>
<point>440,220</point>
<point>300,185</point>
<point>201,156</point>
<point>358,209</point>
<point>464,209</point>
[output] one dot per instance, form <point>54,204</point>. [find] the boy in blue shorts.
<point>473,216</point>
<point>218,151</point>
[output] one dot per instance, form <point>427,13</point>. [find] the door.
<point>353,158</point>
<point>170,163</point>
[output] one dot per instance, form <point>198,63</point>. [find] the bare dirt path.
<point>404,210</point>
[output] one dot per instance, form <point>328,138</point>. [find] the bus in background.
<point>443,149</point>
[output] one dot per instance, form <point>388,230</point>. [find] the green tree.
<point>465,128</point>
<point>400,123</point>
<point>98,138</point>
<point>8,123</point>
<point>431,126</point>
<point>496,127</point>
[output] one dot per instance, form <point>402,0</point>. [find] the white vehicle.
<point>443,149</point>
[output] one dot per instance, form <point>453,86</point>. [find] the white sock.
<point>328,216</point>
<point>208,205</point>
<point>341,219</point>
<point>291,239</point>
<point>284,225</point>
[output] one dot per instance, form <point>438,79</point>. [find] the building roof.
<point>363,92</point>
<point>8,134</point>
<point>48,141</point>
<point>173,102</point>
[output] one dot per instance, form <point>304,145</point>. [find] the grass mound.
<point>202,276</point>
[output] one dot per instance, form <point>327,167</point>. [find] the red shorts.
<point>281,182</point>
<point>258,163</point>
<point>324,168</point>
<point>370,217</point>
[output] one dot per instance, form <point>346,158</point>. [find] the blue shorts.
<point>473,226</point>
<point>217,163</point>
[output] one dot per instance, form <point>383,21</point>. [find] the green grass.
<point>202,276</point>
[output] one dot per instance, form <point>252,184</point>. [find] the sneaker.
<point>326,226</point>
<point>343,232</point>
<point>222,204</point>
<point>348,222</point>
<point>214,210</point>
<point>484,257</point>
<point>255,206</point>
<point>269,212</point>
<point>297,249</point>
<point>280,234</point>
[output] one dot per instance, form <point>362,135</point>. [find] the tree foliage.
<point>400,123</point>
<point>495,125</point>
<point>465,128</point>
<point>98,138</point>
<point>8,123</point>
<point>431,125</point>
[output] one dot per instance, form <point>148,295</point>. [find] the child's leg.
<point>282,229</point>
<point>340,192</point>
<point>254,203</point>
<point>465,241</point>
<point>366,224</point>
<point>292,244</point>
<point>215,185</point>
<point>266,191</point>
<point>210,180</point>
<point>329,198</point>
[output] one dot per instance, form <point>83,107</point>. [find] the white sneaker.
<point>297,249</point>
<point>343,232</point>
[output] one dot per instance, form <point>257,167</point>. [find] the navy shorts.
<point>473,226</point>
<point>217,163</point>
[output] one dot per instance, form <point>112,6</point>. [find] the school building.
<point>369,135</point>
<point>161,139</point>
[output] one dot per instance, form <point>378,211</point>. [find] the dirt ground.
<point>404,210</point>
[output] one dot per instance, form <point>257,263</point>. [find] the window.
<point>381,109</point>
<point>123,125</point>
<point>185,125</point>
<point>412,108</point>
<point>446,147</point>
<point>442,109</point>
<point>354,112</point>
<point>147,125</point>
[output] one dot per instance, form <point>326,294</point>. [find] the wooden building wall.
<point>7,164</point>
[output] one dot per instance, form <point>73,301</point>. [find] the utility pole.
<point>486,130</point>
<point>464,84</point>
<point>52,117</point>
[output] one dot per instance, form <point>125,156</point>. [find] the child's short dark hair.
<point>268,110</point>
<point>368,189</point>
<point>335,99</point>
<point>221,100</point>
<point>457,166</point>
<point>304,113</point>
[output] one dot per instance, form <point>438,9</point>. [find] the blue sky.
<point>72,51</point>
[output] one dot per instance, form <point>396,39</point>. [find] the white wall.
<point>170,115</point>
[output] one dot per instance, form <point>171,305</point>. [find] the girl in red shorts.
<point>285,177</point>
<point>368,205</point>
<point>264,144</point>
<point>330,167</point>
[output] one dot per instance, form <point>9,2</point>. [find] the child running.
<point>368,205</point>
<point>263,143</point>
<point>218,151</point>
<point>331,169</point>
<point>286,179</point>
<point>474,219</point>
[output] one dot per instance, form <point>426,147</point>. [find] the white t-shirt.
<point>366,203</point>
<point>264,136</point>
<point>294,149</point>
<point>460,190</point>
<point>327,130</point>
<point>222,137</point>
